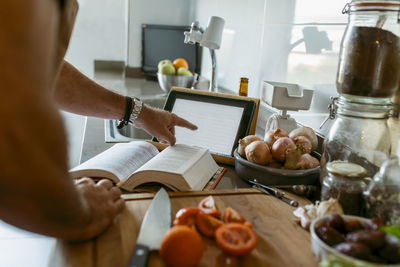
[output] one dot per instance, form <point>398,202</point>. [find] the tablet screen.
<point>217,125</point>
<point>221,121</point>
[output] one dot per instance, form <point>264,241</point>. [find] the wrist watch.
<point>136,109</point>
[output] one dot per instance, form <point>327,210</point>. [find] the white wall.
<point>171,12</point>
<point>100,32</point>
<point>257,42</point>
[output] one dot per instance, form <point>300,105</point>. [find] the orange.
<point>180,63</point>
<point>181,246</point>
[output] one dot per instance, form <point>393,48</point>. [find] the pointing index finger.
<point>178,121</point>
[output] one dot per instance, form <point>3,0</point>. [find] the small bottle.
<point>244,82</point>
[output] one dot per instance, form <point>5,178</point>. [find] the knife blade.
<point>156,223</point>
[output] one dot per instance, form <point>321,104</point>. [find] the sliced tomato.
<point>207,224</point>
<point>230,215</point>
<point>248,224</point>
<point>186,216</point>
<point>208,206</point>
<point>236,239</point>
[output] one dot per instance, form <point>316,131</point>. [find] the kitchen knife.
<point>289,201</point>
<point>156,223</point>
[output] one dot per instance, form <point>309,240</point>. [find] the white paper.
<point>175,159</point>
<point>121,159</point>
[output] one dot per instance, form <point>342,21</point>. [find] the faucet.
<point>211,38</point>
<point>213,82</point>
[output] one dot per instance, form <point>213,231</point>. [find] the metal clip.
<point>346,9</point>
<point>332,111</point>
<point>398,16</point>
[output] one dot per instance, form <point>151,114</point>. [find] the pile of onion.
<point>281,150</point>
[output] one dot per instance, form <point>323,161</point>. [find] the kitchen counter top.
<point>21,248</point>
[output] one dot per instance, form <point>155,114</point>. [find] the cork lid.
<point>346,169</point>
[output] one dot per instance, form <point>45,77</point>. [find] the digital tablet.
<point>221,119</point>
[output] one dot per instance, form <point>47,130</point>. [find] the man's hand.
<point>104,203</point>
<point>161,124</point>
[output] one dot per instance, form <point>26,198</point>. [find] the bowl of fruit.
<point>280,159</point>
<point>175,74</point>
<point>344,240</point>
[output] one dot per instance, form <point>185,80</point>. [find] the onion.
<point>274,164</point>
<point>280,146</point>
<point>307,132</point>
<point>292,158</point>
<point>258,152</point>
<point>303,143</point>
<point>245,141</point>
<point>272,135</point>
<point>307,161</point>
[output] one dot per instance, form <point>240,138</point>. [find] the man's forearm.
<point>78,94</point>
<point>35,190</point>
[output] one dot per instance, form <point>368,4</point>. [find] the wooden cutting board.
<point>282,242</point>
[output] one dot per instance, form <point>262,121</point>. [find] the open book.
<point>179,167</point>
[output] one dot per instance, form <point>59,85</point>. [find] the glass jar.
<point>369,60</point>
<point>345,182</point>
<point>382,196</point>
<point>359,134</point>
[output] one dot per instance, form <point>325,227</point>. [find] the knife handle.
<point>139,257</point>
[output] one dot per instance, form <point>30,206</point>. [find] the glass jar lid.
<point>346,169</point>
<point>364,107</point>
<point>371,5</point>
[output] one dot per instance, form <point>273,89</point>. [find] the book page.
<point>121,159</point>
<point>217,125</point>
<point>174,159</point>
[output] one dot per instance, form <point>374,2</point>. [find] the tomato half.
<point>208,206</point>
<point>236,239</point>
<point>207,224</point>
<point>186,216</point>
<point>232,216</point>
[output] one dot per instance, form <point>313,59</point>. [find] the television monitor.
<point>167,42</point>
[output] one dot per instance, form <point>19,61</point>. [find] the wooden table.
<point>281,241</point>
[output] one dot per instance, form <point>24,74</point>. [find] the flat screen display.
<point>221,121</point>
<point>217,125</point>
<point>167,42</point>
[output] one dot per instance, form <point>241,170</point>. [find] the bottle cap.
<point>346,169</point>
<point>244,79</point>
